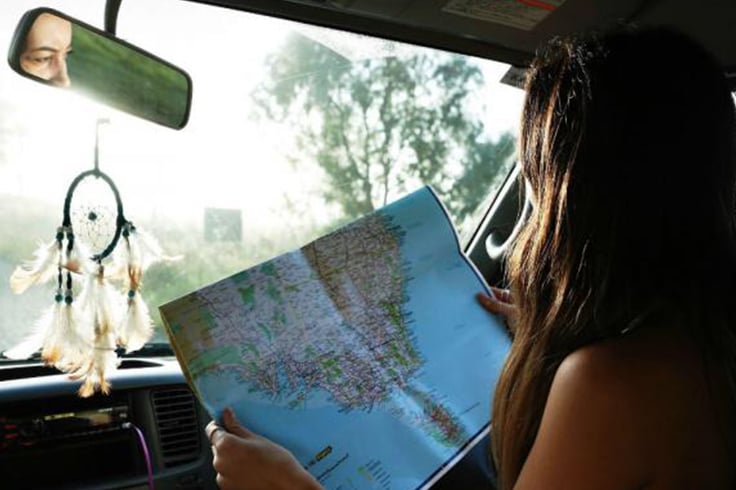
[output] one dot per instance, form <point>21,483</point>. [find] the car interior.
<point>233,131</point>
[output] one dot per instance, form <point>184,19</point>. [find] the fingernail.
<point>233,417</point>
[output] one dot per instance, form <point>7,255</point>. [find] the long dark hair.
<point>628,148</point>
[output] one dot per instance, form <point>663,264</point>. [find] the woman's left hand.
<point>245,460</point>
<point>501,302</point>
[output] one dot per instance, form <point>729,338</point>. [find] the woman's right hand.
<point>499,302</point>
<point>245,460</point>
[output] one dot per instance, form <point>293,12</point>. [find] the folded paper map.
<point>364,352</point>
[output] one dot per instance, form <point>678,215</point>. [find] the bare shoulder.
<point>590,432</point>
<point>635,407</point>
<point>653,371</point>
<point>633,365</point>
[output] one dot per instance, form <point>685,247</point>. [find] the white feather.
<point>38,270</point>
<point>118,268</point>
<point>94,373</point>
<point>64,343</point>
<point>102,307</point>
<point>77,260</point>
<point>139,251</point>
<point>48,326</point>
<point>75,339</point>
<point>58,332</point>
<point>137,326</point>
<point>99,303</point>
<point>145,250</point>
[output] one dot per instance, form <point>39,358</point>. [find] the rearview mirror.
<point>60,51</point>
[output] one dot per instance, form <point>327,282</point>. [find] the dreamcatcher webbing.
<point>120,221</point>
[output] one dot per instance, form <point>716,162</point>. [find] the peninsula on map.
<point>330,317</point>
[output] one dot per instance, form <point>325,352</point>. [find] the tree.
<point>379,125</point>
<point>487,162</point>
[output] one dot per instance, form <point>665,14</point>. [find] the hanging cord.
<point>68,297</point>
<point>59,298</point>
<point>146,452</point>
<point>97,174</point>
<point>100,121</point>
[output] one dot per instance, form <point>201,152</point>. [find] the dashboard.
<point>148,432</point>
<point>52,439</point>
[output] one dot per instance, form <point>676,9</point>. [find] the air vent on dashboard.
<point>178,428</point>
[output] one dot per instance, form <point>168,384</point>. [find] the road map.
<point>364,352</point>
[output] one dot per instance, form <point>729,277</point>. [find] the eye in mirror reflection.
<point>102,67</point>
<point>46,48</point>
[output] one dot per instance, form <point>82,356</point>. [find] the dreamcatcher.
<point>97,258</point>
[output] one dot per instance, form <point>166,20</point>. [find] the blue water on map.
<point>463,348</point>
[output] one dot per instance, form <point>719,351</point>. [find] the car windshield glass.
<point>294,131</point>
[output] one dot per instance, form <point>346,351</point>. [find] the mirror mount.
<point>112,8</point>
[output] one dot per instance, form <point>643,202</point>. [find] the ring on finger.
<point>212,434</point>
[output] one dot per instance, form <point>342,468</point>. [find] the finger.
<point>214,432</point>
<point>223,482</point>
<point>487,302</point>
<point>233,425</point>
<point>229,454</point>
<point>503,295</point>
<point>495,306</point>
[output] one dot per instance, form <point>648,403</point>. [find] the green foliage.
<point>487,162</point>
<point>26,225</point>
<point>378,126</point>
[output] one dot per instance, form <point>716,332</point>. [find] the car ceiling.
<point>433,22</point>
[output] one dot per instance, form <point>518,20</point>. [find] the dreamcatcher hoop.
<point>120,221</point>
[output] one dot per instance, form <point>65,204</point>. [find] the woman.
<point>47,46</point>
<point>623,367</point>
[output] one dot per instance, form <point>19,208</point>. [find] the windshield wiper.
<point>153,349</point>
<point>35,357</point>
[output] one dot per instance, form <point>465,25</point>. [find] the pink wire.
<point>146,454</point>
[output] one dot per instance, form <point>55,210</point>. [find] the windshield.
<point>294,130</point>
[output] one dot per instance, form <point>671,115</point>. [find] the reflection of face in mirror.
<point>48,43</point>
<point>102,67</point>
